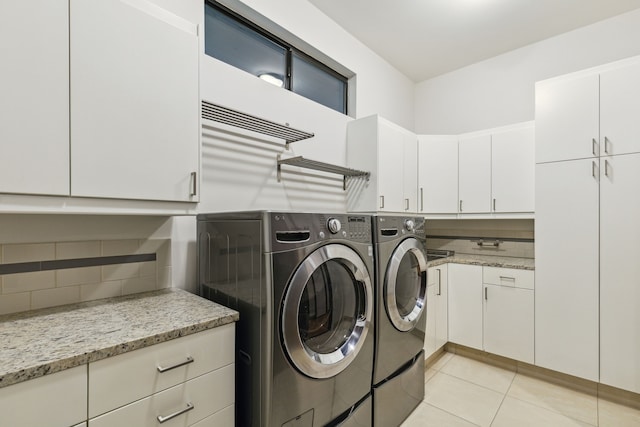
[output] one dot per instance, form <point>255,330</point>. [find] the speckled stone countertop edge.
<point>38,365</point>
<point>486,261</point>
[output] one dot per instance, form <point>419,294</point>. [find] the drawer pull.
<point>507,278</point>
<point>162,369</point>
<point>162,419</point>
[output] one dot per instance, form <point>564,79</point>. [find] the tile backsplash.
<point>93,270</point>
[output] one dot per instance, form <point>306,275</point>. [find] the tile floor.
<point>464,392</point>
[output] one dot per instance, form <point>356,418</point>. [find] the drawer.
<point>508,277</point>
<point>119,380</point>
<point>223,418</point>
<point>56,400</point>
<point>208,394</point>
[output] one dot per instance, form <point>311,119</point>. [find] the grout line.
<point>504,397</point>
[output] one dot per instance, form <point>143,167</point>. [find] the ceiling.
<point>426,38</point>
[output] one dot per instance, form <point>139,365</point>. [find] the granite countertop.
<point>487,261</point>
<point>41,342</point>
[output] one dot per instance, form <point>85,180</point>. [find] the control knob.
<point>410,225</point>
<point>334,225</point>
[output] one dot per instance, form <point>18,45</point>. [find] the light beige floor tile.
<point>429,373</point>
<point>427,415</point>
<point>514,412</point>
<point>488,376</point>
<point>466,400</point>
<point>562,400</point>
<point>611,414</point>
<point>438,364</point>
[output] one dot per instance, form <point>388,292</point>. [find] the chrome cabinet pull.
<point>381,202</point>
<point>163,369</point>
<point>607,144</point>
<point>485,293</point>
<point>421,199</point>
<point>406,202</point>
<point>460,205</point>
<point>606,168</point>
<point>494,204</point>
<point>593,169</point>
<point>165,418</point>
<point>594,146</point>
<point>507,278</point>
<point>194,184</point>
<point>439,281</point>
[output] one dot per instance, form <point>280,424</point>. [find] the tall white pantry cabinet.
<point>588,224</point>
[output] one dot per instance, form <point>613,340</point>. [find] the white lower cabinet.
<point>56,400</point>
<point>491,309</point>
<point>185,380</point>
<point>436,333</point>
<point>508,313</point>
<point>465,305</point>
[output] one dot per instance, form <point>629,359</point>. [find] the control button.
<point>321,234</point>
<point>410,225</point>
<point>334,225</point>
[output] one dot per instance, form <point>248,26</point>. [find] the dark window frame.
<point>291,50</point>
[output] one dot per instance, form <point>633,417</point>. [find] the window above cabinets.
<point>236,41</point>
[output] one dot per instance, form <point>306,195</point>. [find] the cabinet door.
<point>438,174</point>
<point>34,105</point>
<point>474,169</point>
<point>513,170</point>
<point>410,172</point>
<point>442,313</point>
<point>465,305</point>
<point>390,176</point>
<point>430,328</point>
<point>619,110</point>
<point>566,278</point>
<point>567,117</point>
<point>508,322</point>
<point>134,101</point>
<point>620,272</point>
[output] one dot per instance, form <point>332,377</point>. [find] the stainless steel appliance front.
<point>304,289</point>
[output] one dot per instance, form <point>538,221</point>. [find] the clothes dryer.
<point>401,285</point>
<point>303,284</point>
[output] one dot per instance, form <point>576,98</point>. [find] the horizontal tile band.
<point>486,239</point>
<point>29,267</point>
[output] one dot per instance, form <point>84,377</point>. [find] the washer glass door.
<point>406,284</point>
<point>327,311</point>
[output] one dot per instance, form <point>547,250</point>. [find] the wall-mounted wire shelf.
<point>321,166</point>
<point>227,116</point>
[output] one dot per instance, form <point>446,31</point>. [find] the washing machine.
<point>303,285</point>
<point>401,285</point>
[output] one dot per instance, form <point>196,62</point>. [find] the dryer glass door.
<point>327,311</point>
<point>406,284</point>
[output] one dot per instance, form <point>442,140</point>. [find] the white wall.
<point>500,90</point>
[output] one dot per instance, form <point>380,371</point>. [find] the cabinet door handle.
<point>593,169</point>
<point>607,144</point>
<point>460,205</point>
<point>507,278</point>
<point>421,199</point>
<point>165,418</point>
<point>494,204</point>
<point>594,146</point>
<point>606,168</point>
<point>194,184</point>
<point>439,281</point>
<point>406,204</point>
<point>485,293</point>
<point>381,202</point>
<point>163,369</point>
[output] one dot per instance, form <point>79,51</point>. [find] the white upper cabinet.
<point>474,168</point>
<point>567,111</point>
<point>389,152</point>
<point>620,110</point>
<point>134,101</point>
<point>513,170</point>
<point>438,174</point>
<point>34,105</point>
